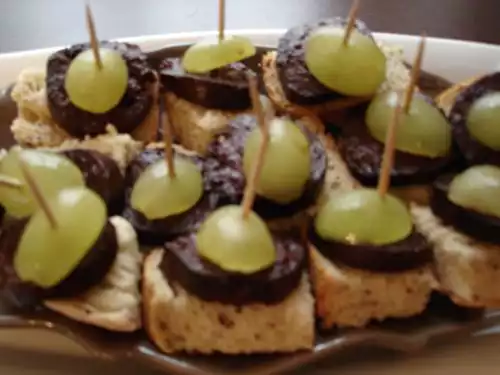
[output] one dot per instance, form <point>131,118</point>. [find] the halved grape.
<point>287,163</point>
<point>234,243</point>
<point>362,216</point>
<point>157,195</point>
<point>97,90</point>
<point>478,189</point>
<point>355,69</point>
<point>422,131</point>
<point>46,256</point>
<point>483,120</point>
<point>211,53</point>
<point>50,170</point>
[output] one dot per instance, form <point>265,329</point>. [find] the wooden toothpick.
<point>388,158</point>
<point>37,193</point>
<point>351,21</point>
<point>9,182</point>
<point>94,44</point>
<point>222,19</point>
<point>263,120</point>
<point>167,139</point>
<point>415,72</point>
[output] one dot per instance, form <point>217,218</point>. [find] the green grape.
<point>362,216</point>
<point>483,120</point>
<point>45,255</point>
<point>287,163</point>
<point>211,54</point>
<point>234,243</point>
<point>423,131</point>
<point>97,90</point>
<point>51,171</point>
<point>478,189</point>
<point>157,195</point>
<point>355,69</point>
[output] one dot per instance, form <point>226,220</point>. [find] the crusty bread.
<point>180,322</point>
<point>397,79</point>
<point>346,297</point>
<point>467,270</point>
<point>114,304</point>
<point>34,126</point>
<point>195,126</point>
<point>446,99</point>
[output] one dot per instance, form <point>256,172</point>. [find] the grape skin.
<point>234,243</point>
<point>355,69</point>
<point>477,188</point>
<point>97,90</point>
<point>287,162</point>
<point>211,54</point>
<point>45,256</point>
<point>362,216</point>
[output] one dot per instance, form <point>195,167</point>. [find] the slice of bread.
<point>114,304</point>
<point>195,126</point>
<point>177,321</point>
<point>34,126</point>
<point>346,297</point>
<point>398,76</point>
<point>467,270</point>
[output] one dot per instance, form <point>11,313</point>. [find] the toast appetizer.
<point>424,146</point>
<point>300,73</point>
<point>367,260</point>
<point>90,274</point>
<point>463,224</point>
<point>207,86</point>
<point>168,193</point>
<point>85,88</point>
<point>232,287</point>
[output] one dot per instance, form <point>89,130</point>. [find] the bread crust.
<point>346,297</point>
<point>114,304</point>
<point>177,321</point>
<point>468,270</point>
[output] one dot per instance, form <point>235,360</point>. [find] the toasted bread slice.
<point>177,321</point>
<point>467,270</point>
<point>195,126</point>
<point>34,126</point>
<point>114,304</point>
<point>346,297</point>
<point>397,79</point>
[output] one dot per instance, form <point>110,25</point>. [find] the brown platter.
<point>441,321</point>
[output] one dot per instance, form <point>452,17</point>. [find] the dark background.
<point>28,24</point>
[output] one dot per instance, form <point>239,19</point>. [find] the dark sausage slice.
<point>225,88</point>
<point>126,116</point>
<point>480,226</point>
<point>410,253</point>
<point>156,232</point>
<point>474,152</point>
<point>363,155</point>
<point>298,83</point>
<point>207,281</point>
<point>89,272</point>
<point>224,170</point>
<point>102,175</point>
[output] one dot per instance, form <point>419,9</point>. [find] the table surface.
<point>29,24</point>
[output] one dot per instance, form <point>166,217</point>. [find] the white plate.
<point>452,59</point>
